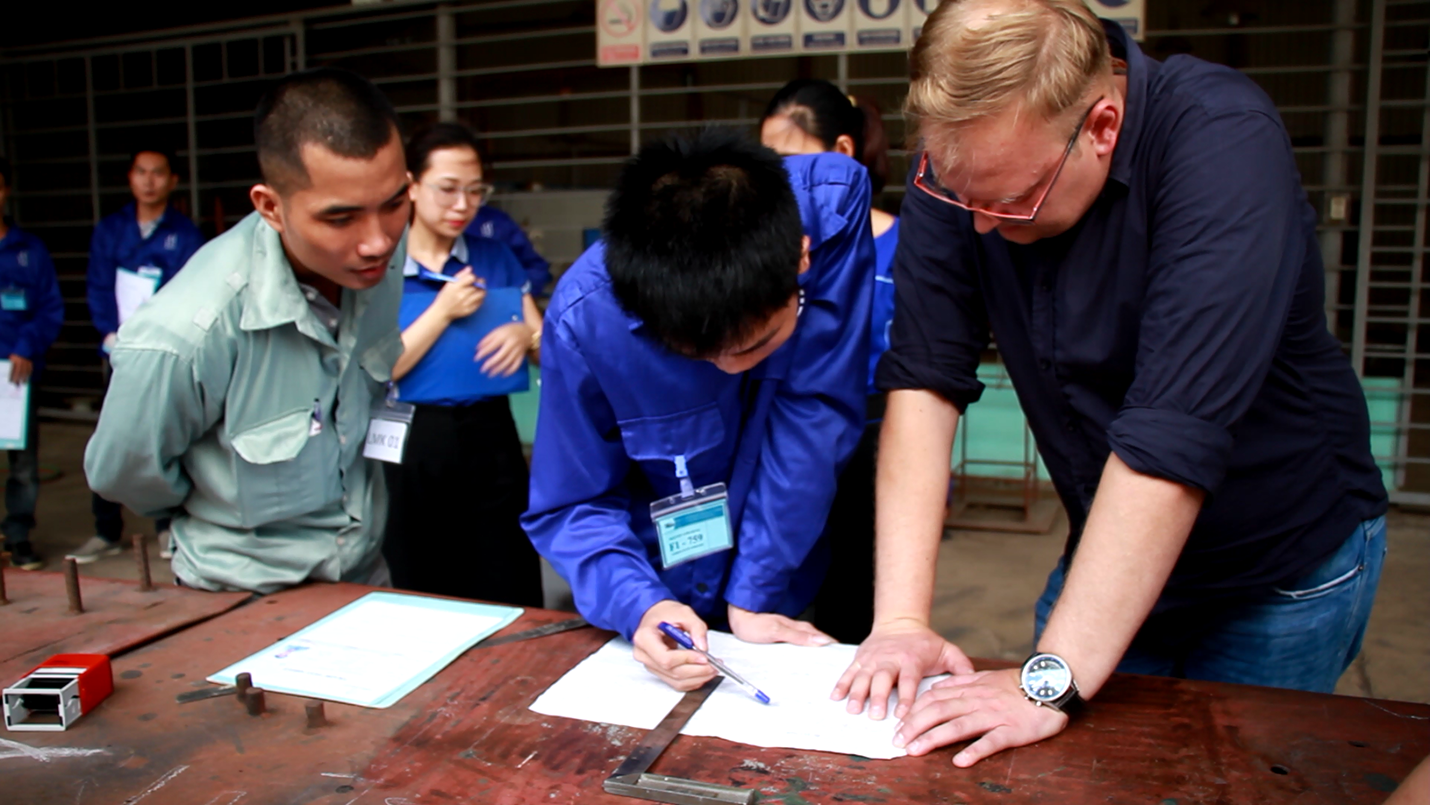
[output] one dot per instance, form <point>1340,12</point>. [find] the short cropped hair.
<point>339,110</point>
<point>1043,56</point>
<point>166,153</point>
<point>703,240</point>
<point>437,137</point>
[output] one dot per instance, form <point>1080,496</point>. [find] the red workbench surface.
<point>468,736</point>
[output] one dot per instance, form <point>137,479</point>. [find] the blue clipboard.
<point>448,371</point>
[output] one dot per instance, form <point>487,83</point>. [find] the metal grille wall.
<point>1344,73</point>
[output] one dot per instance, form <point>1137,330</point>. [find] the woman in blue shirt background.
<point>452,526</point>
<point>811,116</point>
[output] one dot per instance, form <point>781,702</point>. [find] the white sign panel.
<point>620,30</point>
<point>825,24</point>
<point>881,24</point>
<point>772,26</point>
<point>670,27</point>
<point>1131,14</point>
<point>720,29</point>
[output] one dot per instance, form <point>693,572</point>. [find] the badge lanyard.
<point>387,430</point>
<point>693,523</point>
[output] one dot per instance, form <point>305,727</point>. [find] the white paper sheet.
<point>611,687</point>
<point>132,290</point>
<point>14,410</point>
<point>373,651</point>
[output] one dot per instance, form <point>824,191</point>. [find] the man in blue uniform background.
<point>146,242</point>
<point>31,312</point>
<point>493,224</point>
<point>718,335</point>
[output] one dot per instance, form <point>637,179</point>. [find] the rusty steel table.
<point>117,616</point>
<point>468,736</point>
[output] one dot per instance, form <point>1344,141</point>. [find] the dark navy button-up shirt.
<point>1180,323</point>
<point>617,408</point>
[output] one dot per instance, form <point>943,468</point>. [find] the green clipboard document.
<point>373,651</point>
<point>14,411</point>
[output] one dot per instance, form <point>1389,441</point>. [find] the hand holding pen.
<point>684,640</point>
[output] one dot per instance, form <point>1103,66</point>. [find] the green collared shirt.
<point>233,408</point>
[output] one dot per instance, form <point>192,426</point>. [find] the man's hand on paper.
<point>503,349</point>
<point>460,297</point>
<point>20,369</point>
<point>768,627</point>
<point>990,704</point>
<point>678,668</point>
<point>900,652</point>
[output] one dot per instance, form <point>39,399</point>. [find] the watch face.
<point>1046,677</point>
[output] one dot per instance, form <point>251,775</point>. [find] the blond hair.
<point>976,59</point>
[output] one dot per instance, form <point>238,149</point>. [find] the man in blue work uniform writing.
<point>1137,236</point>
<point>31,312</point>
<point>132,254</point>
<point>701,392</point>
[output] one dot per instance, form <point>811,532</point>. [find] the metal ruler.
<point>539,631</point>
<point>631,780</point>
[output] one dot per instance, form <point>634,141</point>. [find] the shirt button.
<point>702,587</point>
<point>342,439</point>
<point>342,541</point>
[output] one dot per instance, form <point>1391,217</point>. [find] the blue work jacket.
<point>32,310</point>
<point>118,244</point>
<point>617,408</point>
<point>493,224</point>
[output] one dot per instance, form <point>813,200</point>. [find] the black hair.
<point>339,110</point>
<point>703,239</point>
<point>166,153</point>
<point>6,172</point>
<point>437,137</point>
<point>822,111</point>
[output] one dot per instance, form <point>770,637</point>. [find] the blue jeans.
<point>1301,636</point>
<point>22,488</point>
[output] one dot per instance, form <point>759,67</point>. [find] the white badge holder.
<point>387,431</point>
<point>693,523</point>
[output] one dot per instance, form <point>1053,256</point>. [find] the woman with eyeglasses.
<point>452,526</point>
<point>810,116</point>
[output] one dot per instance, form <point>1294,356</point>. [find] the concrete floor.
<point>988,581</point>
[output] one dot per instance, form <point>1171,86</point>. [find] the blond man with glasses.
<point>1136,234</point>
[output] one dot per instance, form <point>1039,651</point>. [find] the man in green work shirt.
<point>241,393</point>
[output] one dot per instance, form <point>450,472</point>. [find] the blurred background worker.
<point>811,116</point>
<point>31,312</point>
<point>133,254</point>
<point>457,496</point>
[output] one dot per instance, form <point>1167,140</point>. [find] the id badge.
<point>692,524</point>
<point>13,299</point>
<point>387,432</point>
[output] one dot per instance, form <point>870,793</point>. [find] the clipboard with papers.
<point>449,370</point>
<point>14,411</point>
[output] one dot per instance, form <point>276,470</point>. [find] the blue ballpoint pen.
<point>685,641</point>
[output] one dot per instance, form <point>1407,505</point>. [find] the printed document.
<point>373,651</point>
<point>14,410</point>
<point>132,289</point>
<point>611,687</point>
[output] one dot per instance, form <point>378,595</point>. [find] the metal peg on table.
<point>72,586</point>
<point>316,716</point>
<point>141,560</point>
<point>254,701</point>
<point>4,562</point>
<point>242,684</point>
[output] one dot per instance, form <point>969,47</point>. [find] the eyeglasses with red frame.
<point>927,182</point>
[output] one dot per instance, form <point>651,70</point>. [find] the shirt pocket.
<point>654,442</point>
<point>282,472</point>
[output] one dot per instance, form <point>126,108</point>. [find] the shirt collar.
<point>460,253</point>
<point>274,298</point>
<point>1134,103</point>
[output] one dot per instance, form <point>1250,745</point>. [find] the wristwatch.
<point>1047,681</point>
